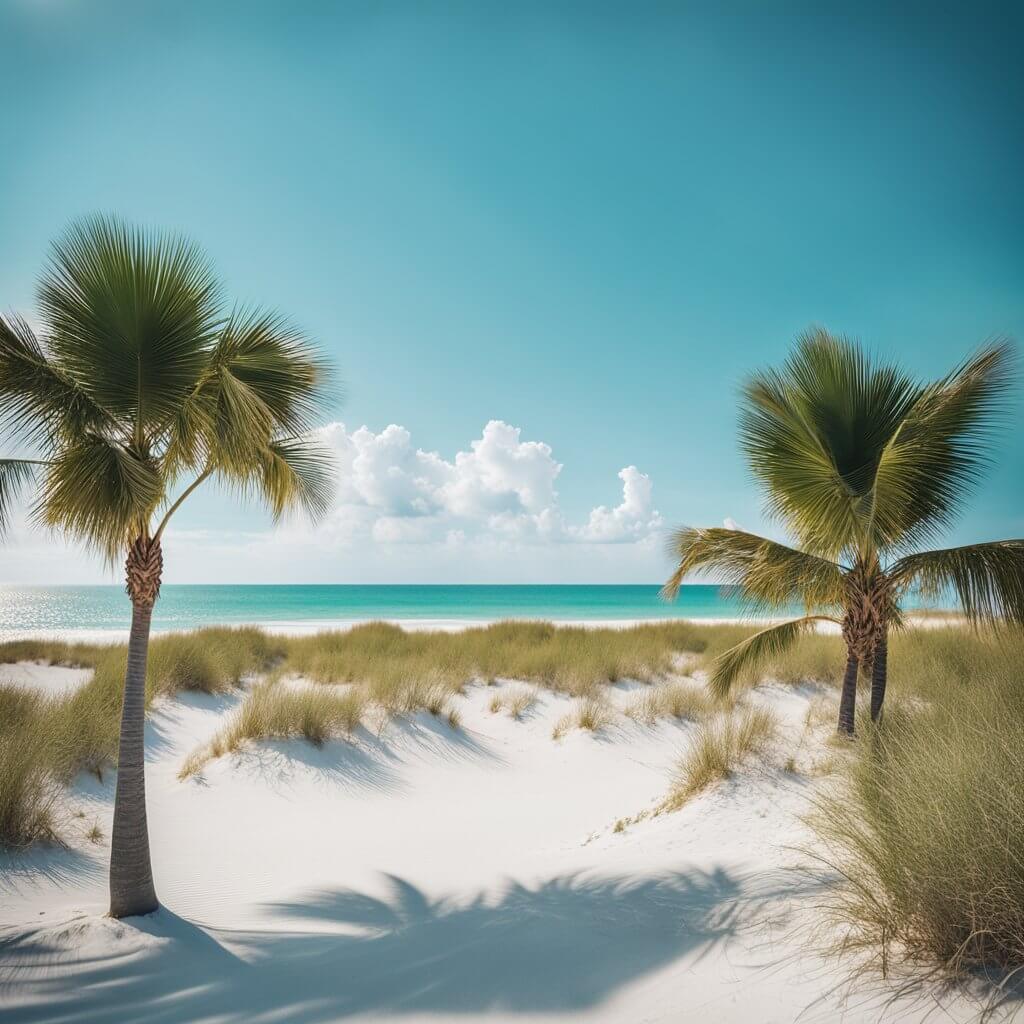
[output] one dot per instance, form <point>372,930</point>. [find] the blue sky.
<point>583,221</point>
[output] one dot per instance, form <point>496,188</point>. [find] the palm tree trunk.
<point>879,674</point>
<point>848,701</point>
<point>131,876</point>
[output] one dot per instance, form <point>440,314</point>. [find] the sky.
<point>542,244</point>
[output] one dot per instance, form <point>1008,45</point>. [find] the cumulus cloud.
<point>502,486</point>
<point>634,519</point>
<point>488,512</point>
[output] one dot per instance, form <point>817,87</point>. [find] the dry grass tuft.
<point>515,700</point>
<point>275,711</point>
<point>718,750</point>
<point>591,714</point>
<point>670,700</point>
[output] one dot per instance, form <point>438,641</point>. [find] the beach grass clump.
<point>591,713</point>
<point>671,700</point>
<point>29,790</point>
<point>275,710</point>
<point>515,700</point>
<point>925,829</point>
<point>211,660</point>
<point>52,652</point>
<point>719,748</point>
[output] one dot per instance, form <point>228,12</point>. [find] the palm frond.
<point>297,473</point>
<point>988,579</point>
<point>131,316</point>
<point>15,475</point>
<point>263,381</point>
<point>770,575</point>
<point>757,650</point>
<point>39,403</point>
<point>942,445</point>
<point>101,493</point>
<point>273,361</point>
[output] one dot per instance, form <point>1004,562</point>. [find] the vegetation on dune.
<point>718,749</point>
<point>28,789</point>
<point>516,701</point>
<point>138,388</point>
<point>670,700</point>
<point>923,819</point>
<point>926,829</point>
<point>276,711</point>
<point>46,741</point>
<point>573,660</point>
<point>863,465</point>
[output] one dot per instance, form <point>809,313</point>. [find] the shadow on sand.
<point>560,946</point>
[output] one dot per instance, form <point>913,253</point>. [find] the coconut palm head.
<point>139,380</point>
<point>856,456</point>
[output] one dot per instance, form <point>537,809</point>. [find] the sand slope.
<point>431,874</point>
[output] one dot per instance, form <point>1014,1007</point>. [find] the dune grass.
<point>274,710</point>
<point>572,660</point>
<point>396,672</point>
<point>672,700</point>
<point>718,749</point>
<point>46,741</point>
<point>516,700</point>
<point>28,790</point>
<point>926,828</point>
<point>591,713</point>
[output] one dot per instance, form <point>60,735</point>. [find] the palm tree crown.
<point>139,380</point>
<point>863,465</point>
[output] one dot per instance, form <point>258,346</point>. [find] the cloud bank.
<point>489,513</point>
<point>502,488</point>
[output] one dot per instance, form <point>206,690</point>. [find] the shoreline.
<point>113,635</point>
<point>300,627</point>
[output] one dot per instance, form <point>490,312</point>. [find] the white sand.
<point>437,875</point>
<point>48,679</point>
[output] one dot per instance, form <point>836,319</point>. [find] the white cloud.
<point>502,487</point>
<point>635,519</point>
<point>490,512</point>
<point>730,524</point>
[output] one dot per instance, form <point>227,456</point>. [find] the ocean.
<point>97,612</point>
<point>104,610</point>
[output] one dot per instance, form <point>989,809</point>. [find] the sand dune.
<point>425,873</point>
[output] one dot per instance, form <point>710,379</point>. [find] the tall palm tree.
<point>863,466</point>
<point>138,388</point>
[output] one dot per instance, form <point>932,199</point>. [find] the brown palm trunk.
<point>879,674</point>
<point>131,877</point>
<point>848,700</point>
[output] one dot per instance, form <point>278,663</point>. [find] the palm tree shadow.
<point>562,945</point>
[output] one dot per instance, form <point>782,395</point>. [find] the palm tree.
<point>138,388</point>
<point>863,465</point>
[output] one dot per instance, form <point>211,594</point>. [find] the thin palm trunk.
<point>879,673</point>
<point>131,877</point>
<point>848,701</point>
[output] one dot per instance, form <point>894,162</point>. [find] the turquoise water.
<point>98,610</point>
<point>25,610</point>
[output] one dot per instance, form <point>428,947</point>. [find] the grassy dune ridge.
<point>922,819</point>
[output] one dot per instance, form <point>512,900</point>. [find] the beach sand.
<point>434,874</point>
